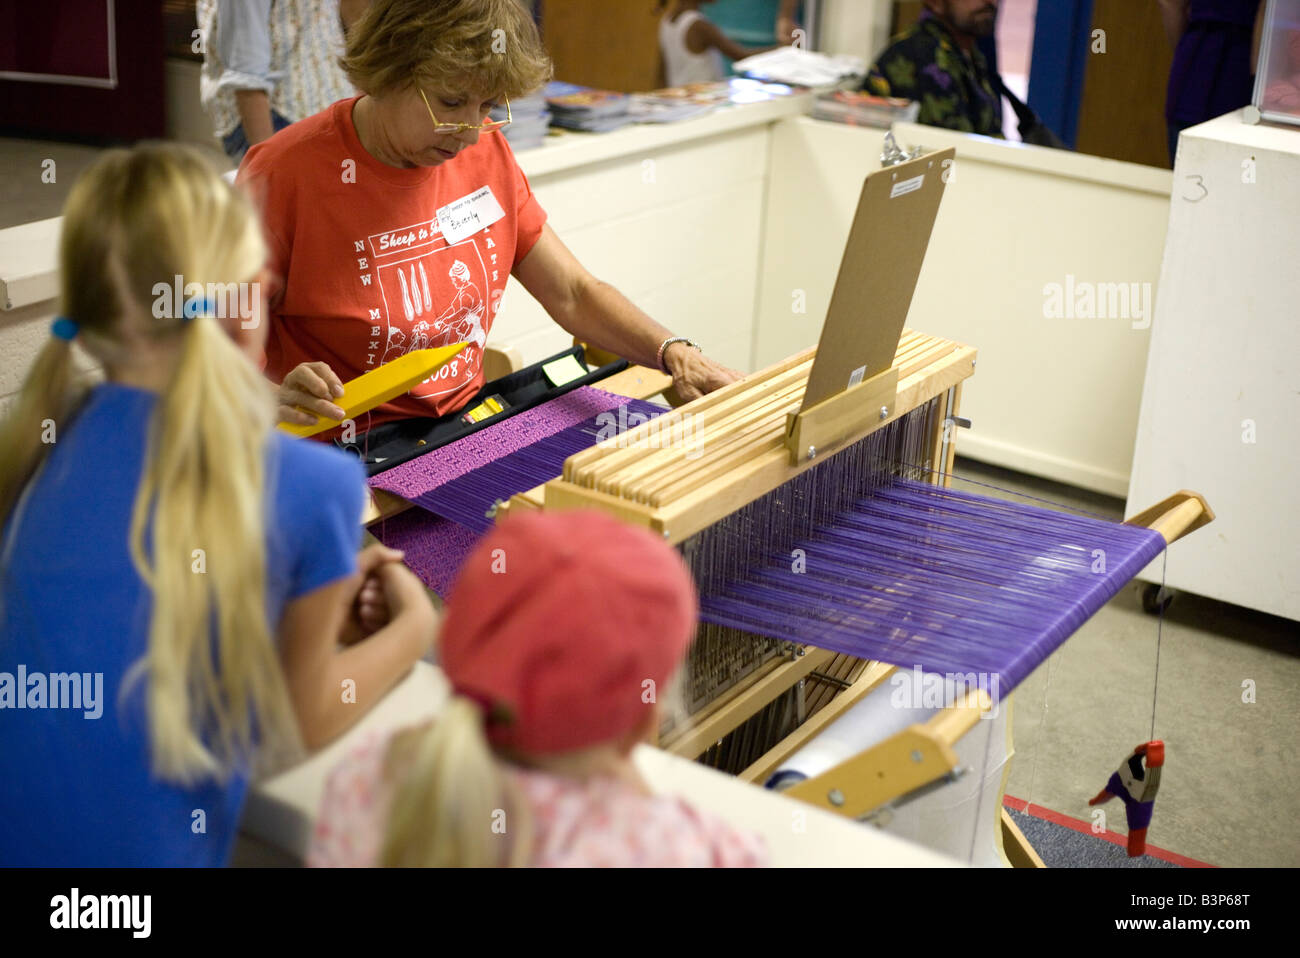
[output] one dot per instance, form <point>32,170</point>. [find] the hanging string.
<point>1160,621</point>
<point>979,795</point>
<point>1042,726</point>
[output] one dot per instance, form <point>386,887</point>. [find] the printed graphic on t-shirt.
<point>432,294</point>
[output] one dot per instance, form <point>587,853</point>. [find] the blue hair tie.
<point>197,307</point>
<point>64,328</point>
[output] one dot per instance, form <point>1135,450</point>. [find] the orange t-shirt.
<point>367,274</point>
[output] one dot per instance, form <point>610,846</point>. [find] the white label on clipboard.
<point>903,187</point>
<point>855,377</point>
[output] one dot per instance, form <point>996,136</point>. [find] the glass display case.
<point>1277,78</point>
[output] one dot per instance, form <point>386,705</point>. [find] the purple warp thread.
<point>952,582</point>
<point>435,548</point>
<point>457,485</point>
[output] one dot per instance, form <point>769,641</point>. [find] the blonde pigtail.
<point>153,218</point>
<point>42,408</point>
<point>203,496</point>
<point>452,806</point>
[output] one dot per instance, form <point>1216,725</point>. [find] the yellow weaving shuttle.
<point>380,385</point>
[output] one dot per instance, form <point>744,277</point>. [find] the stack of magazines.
<point>679,102</point>
<point>658,107</point>
<point>582,108</point>
<point>531,121</point>
<point>862,109</point>
<point>693,99</point>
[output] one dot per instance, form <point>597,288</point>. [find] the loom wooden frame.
<point>753,421</point>
<point>676,494</point>
<point>765,443</point>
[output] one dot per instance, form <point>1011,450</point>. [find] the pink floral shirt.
<point>600,823</point>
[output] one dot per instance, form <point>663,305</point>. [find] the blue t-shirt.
<point>77,790</point>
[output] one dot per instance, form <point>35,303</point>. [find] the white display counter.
<point>1221,399</point>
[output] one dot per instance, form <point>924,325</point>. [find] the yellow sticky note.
<point>378,386</point>
<point>564,370</point>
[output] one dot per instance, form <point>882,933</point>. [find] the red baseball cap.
<point>558,622</point>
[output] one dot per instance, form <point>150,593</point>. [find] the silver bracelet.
<point>663,347</point>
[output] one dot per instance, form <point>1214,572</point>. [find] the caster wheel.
<point>1156,599</point>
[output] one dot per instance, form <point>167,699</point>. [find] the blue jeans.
<point>236,143</point>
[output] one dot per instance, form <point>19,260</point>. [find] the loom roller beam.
<point>922,754</point>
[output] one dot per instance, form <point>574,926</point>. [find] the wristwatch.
<point>663,347</point>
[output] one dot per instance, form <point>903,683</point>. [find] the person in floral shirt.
<point>937,63</point>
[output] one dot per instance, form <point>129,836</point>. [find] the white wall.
<point>676,228</point>
<point>856,27</point>
<point>1052,397</point>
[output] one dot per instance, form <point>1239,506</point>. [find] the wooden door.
<point>1122,111</point>
<point>906,13</point>
<point>613,46</point>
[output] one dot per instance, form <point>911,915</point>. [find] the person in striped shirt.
<point>269,63</point>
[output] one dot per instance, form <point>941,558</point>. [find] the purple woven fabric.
<point>456,486</point>
<point>425,473</point>
<point>945,581</point>
<point>435,548</point>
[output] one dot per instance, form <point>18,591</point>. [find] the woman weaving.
<point>395,219</point>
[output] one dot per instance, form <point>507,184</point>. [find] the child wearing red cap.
<point>559,635</point>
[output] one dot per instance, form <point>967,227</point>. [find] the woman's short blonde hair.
<point>485,47</point>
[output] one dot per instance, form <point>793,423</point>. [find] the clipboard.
<point>878,274</point>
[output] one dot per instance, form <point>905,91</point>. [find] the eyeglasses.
<point>487,126</point>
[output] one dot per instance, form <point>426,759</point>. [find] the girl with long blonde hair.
<point>175,577</point>
<point>562,632</point>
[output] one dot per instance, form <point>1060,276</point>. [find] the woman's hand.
<point>310,386</point>
<point>695,374</point>
<point>388,591</point>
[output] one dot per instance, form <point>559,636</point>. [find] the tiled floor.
<point>1228,793</point>
<point>28,192</point>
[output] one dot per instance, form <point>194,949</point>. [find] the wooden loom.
<point>750,437</point>
<point>746,437</point>
<point>750,441</point>
<point>694,467</point>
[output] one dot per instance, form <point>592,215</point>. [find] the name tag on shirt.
<point>469,214</point>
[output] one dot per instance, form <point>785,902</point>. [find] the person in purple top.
<point>1213,67</point>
